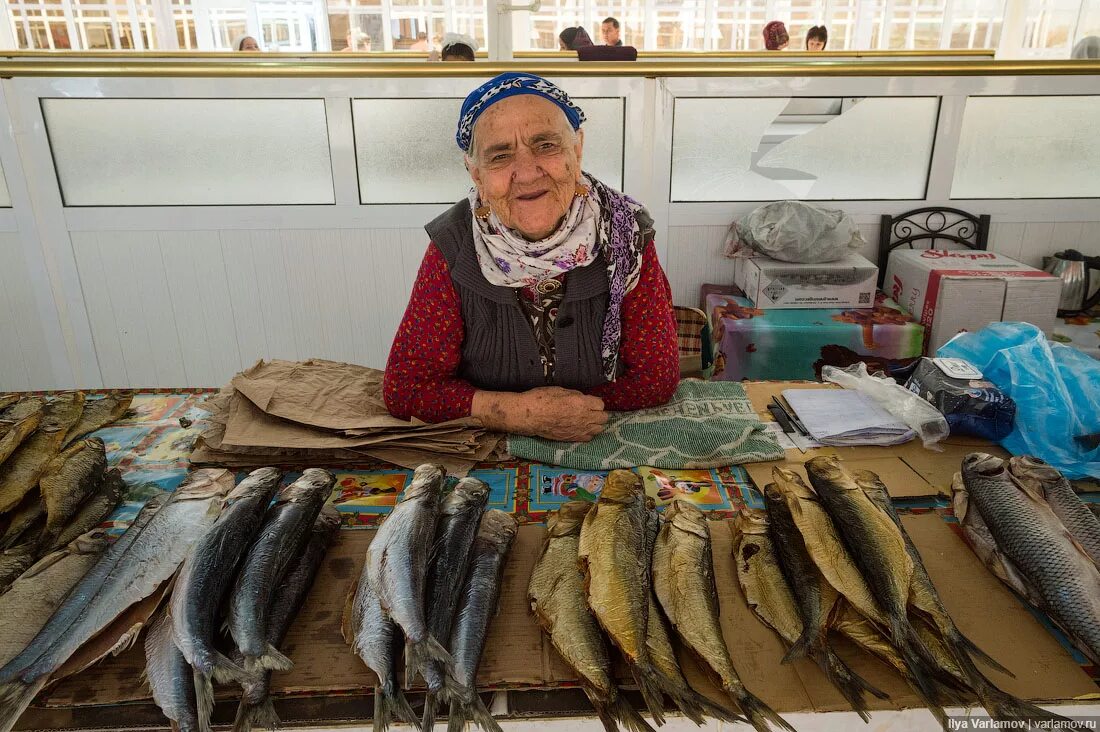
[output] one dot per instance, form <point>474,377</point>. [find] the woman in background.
<point>571,39</point>
<point>458,47</point>
<point>246,43</point>
<point>817,38</point>
<point>775,36</point>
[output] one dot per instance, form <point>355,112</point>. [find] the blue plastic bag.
<point>1056,389</point>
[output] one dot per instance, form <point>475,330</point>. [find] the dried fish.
<point>98,413</point>
<point>69,479</point>
<point>1043,479</point>
<point>170,677</point>
<point>95,509</point>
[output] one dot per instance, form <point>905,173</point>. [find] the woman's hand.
<point>548,411</point>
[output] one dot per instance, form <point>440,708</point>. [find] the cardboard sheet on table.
<point>900,479</point>
<point>328,394</point>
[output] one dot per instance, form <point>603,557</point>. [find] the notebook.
<point>844,417</point>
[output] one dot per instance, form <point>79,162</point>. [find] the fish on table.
<point>94,511</point>
<point>145,556</point>
<point>255,708</point>
<point>97,414</point>
<point>68,481</point>
<point>207,575</point>
<point>459,516</point>
<point>557,597</point>
<point>170,677</point>
<point>19,474</point>
<point>683,578</point>
<point>1043,479</point>
<point>286,527</point>
<point>478,599</point>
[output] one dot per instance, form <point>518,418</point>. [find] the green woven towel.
<point>707,424</point>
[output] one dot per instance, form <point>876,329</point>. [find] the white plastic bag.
<point>922,417</point>
<point>793,231</point>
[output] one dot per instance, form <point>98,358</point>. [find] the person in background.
<point>458,47</point>
<point>1087,47</point>
<point>609,29</point>
<point>357,41</point>
<point>246,43</point>
<point>571,39</point>
<point>540,303</point>
<point>775,36</point>
<point>817,38</point>
<point>421,42</point>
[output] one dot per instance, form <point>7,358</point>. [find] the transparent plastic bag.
<point>793,231</point>
<point>1056,389</point>
<point>922,417</point>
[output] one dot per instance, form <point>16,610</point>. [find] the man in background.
<point>609,29</point>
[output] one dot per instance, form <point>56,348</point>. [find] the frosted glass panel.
<point>1029,147</point>
<point>407,153</point>
<point>179,152</point>
<point>764,149</point>
<point>5,197</point>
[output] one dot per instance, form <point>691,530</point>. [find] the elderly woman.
<point>540,304</point>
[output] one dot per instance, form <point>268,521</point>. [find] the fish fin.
<point>1003,707</point>
<point>271,660</point>
<point>456,720</point>
<point>801,647</point>
<point>256,715</point>
<point>480,715</point>
<point>759,714</point>
<point>204,698</point>
<point>847,682</point>
<point>15,697</point>
<point>651,693</point>
<point>347,629</point>
<point>431,710</point>
<point>429,649</point>
<point>389,702</point>
<point>224,670</point>
<point>620,713</point>
<point>963,645</point>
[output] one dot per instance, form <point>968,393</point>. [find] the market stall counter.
<point>329,685</point>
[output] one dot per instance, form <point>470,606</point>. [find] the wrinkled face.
<point>610,34</point>
<point>249,44</point>
<point>815,45</point>
<point>526,162</point>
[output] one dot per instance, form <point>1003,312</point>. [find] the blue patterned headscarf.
<point>509,85</point>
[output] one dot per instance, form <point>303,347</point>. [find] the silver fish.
<point>1039,545</point>
<point>397,565</point>
<point>170,677</point>
<point>478,603</point>
<point>206,576</point>
<point>1043,479</point>
<point>377,640</point>
<point>285,530</point>
<point>145,556</point>
<point>256,707</point>
<point>33,597</point>
<point>454,534</point>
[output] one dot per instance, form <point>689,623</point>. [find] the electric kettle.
<point>1074,269</point>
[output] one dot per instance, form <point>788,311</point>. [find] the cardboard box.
<point>847,283</point>
<point>965,290</point>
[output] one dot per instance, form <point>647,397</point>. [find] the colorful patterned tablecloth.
<point>152,444</point>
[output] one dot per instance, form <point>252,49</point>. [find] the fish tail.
<point>431,710</point>
<point>204,698</point>
<point>456,720</point>
<point>848,683</point>
<point>223,670</point>
<point>251,715</point>
<point>15,697</point>
<point>650,688</point>
<point>801,647</point>
<point>271,660</point>
<point>916,656</point>
<point>418,654</point>
<point>962,645</point>
<point>620,712</point>
<point>1003,707</point>
<point>389,700</point>
<point>479,714</point>
<point>759,714</point>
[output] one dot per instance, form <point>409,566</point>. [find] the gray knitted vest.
<point>499,352</point>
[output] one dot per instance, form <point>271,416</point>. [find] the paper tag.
<point>957,368</point>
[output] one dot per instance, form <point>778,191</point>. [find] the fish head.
<point>982,464</point>
<point>772,494</point>
<point>568,518</point>
<point>870,482</point>
<point>790,483</point>
<point>687,517</point>
<point>750,521</point>
<point>262,480</point>
<point>91,542</point>
<point>469,493</point>
<point>1032,468</point>
<point>498,528</point>
<point>328,520</point>
<point>307,486</point>
<point>427,480</point>
<point>621,486</point>
<point>205,483</point>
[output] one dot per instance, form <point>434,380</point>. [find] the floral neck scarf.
<point>604,221</point>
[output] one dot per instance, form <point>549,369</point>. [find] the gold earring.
<point>581,190</point>
<point>482,212</point>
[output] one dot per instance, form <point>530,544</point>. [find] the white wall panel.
<point>190,152</point>
<point>24,357</point>
<point>193,308</point>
